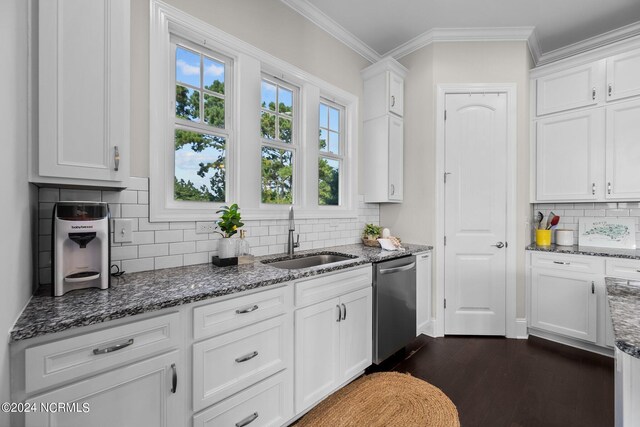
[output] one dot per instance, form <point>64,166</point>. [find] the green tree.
<point>328,183</point>
<point>277,176</point>
<point>198,142</point>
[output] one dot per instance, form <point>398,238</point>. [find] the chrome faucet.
<point>292,227</point>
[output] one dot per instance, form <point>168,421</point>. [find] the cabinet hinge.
<point>445,303</point>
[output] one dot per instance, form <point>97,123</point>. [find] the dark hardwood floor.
<point>502,382</point>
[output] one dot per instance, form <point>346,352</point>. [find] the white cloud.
<point>214,69</point>
<point>187,69</point>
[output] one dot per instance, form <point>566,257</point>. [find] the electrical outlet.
<point>122,230</point>
<point>205,227</point>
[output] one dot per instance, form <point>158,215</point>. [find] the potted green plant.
<point>228,224</point>
<point>370,235</point>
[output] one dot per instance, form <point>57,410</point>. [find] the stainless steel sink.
<point>307,261</point>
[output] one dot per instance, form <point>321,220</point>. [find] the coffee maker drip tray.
<point>83,276</point>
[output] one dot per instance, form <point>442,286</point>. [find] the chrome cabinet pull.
<point>247,310</point>
<point>393,189</point>
<point>425,256</point>
<point>593,94</point>
<point>593,288</point>
<point>247,357</point>
<point>112,348</point>
<point>608,188</point>
<point>339,313</point>
<point>116,158</point>
<point>393,100</point>
<point>593,189</point>
<point>174,378</point>
<point>344,313</point>
<point>499,245</point>
<point>251,418</point>
<point>562,262</point>
<point>610,89</point>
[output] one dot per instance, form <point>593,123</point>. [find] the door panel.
<point>355,333</point>
<point>396,158</point>
<point>623,75</point>
<point>475,213</point>
<point>576,87</point>
<point>569,156</point>
<point>623,151</point>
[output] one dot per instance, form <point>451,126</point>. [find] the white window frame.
<point>294,146</point>
<point>244,146</point>
<point>340,157</point>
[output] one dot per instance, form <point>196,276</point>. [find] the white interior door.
<point>475,213</point>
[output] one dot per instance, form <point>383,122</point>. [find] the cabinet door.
<point>396,158</point>
<point>423,292</point>
<point>623,151</point>
<point>568,89</point>
<point>84,89</point>
<point>396,94</point>
<point>623,75</point>
<point>317,352</point>
<point>569,150</point>
<point>355,333</point>
<point>564,303</point>
<point>132,396</point>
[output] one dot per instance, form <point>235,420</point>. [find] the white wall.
<point>267,24</point>
<point>463,62</point>
<point>17,196</point>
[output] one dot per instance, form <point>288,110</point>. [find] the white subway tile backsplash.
<point>158,249</point>
<point>139,264</point>
<point>168,262</point>
<point>170,244</point>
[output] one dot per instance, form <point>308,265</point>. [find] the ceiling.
<point>384,25</point>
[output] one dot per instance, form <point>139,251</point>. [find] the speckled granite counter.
<point>624,304</point>
<point>586,250</point>
<point>147,291</point>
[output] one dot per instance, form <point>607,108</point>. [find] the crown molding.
<point>461,35</point>
<point>591,43</point>
<point>315,15</point>
<point>534,47</point>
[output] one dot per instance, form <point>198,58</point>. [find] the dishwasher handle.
<point>398,269</point>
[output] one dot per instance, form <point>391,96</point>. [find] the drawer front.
<point>266,404</point>
<point>623,268</point>
<point>226,364</point>
<point>59,361</point>
<point>330,286</point>
<point>221,317</point>
<point>576,263</point>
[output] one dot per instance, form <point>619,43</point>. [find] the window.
<point>331,149</point>
<point>200,131</point>
<point>278,112</point>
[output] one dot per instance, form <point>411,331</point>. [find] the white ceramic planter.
<point>226,248</point>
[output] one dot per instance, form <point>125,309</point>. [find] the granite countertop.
<point>587,250</point>
<point>147,291</point>
<point>624,304</point>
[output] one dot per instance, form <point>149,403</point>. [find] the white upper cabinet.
<point>573,88</point>
<point>623,151</point>
<point>623,75</point>
<point>383,89</point>
<point>83,93</point>
<point>569,156</point>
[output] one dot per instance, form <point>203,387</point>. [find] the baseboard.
<point>605,351</point>
<point>429,329</point>
<point>521,329</point>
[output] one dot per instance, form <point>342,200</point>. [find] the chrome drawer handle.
<point>251,418</point>
<point>246,357</point>
<point>561,262</point>
<point>425,256</point>
<point>593,94</point>
<point>593,189</point>
<point>393,101</point>
<point>610,89</point>
<point>344,313</point>
<point>116,158</point>
<point>247,310</point>
<point>339,313</point>
<point>398,269</point>
<point>174,378</point>
<point>112,348</point>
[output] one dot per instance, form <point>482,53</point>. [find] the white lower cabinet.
<point>146,393</point>
<point>423,292</point>
<point>564,303</point>
<point>266,404</point>
<point>332,345</point>
<point>627,390</point>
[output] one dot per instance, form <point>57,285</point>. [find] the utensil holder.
<point>543,237</point>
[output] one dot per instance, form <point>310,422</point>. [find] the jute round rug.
<point>386,399</point>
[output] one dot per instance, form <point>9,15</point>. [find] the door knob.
<point>499,245</point>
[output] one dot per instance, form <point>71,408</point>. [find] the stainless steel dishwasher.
<point>394,306</point>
